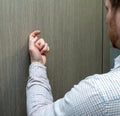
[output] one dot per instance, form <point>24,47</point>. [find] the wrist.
<point>41,60</point>
<point>37,61</point>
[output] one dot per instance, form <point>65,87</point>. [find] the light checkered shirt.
<point>97,95</point>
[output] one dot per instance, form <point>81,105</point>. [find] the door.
<point>74,32</point>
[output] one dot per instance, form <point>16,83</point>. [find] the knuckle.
<point>44,50</point>
<point>42,40</point>
<point>42,46</point>
<point>48,49</point>
<point>46,44</point>
<point>42,43</point>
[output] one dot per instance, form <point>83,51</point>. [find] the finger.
<point>37,45</point>
<point>45,49</point>
<point>40,43</point>
<point>32,41</point>
<point>48,49</point>
<point>45,52</point>
<point>34,33</point>
<point>33,36</point>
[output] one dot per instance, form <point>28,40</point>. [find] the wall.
<point>76,35</point>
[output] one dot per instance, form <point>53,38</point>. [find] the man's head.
<point>115,3</point>
<point>113,21</point>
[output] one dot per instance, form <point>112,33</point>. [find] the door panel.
<point>73,29</point>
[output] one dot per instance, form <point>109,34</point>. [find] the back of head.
<point>115,4</point>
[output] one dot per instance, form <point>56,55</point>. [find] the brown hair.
<point>115,4</point>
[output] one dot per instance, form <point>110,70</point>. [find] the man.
<point>97,95</point>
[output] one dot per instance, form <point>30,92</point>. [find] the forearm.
<point>39,96</point>
<point>38,89</point>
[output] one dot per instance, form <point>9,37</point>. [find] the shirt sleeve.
<point>82,99</point>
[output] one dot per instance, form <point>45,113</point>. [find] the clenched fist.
<point>38,48</point>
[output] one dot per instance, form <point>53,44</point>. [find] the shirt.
<point>97,95</point>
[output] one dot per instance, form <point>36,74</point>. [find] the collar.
<point>117,62</point>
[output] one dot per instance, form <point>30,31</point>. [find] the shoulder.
<point>107,84</point>
<point>96,91</point>
<point>87,97</point>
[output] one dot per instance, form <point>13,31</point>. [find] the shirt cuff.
<point>36,69</point>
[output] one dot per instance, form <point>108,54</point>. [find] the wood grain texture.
<point>76,45</point>
<point>73,30</point>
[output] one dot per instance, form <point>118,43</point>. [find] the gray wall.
<point>75,31</point>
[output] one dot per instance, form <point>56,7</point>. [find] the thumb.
<point>32,48</point>
<point>34,39</point>
<point>32,42</point>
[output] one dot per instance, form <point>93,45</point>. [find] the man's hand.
<point>38,48</point>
